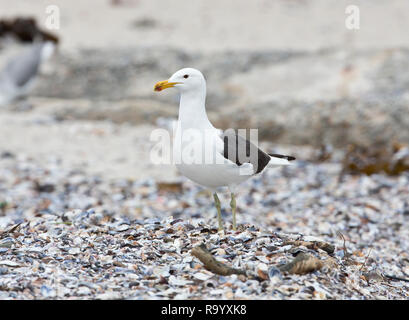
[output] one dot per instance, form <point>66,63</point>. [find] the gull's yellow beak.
<point>161,85</point>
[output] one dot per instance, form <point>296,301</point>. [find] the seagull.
<point>209,156</point>
<point>18,75</point>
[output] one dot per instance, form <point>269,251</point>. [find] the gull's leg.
<point>233,209</point>
<point>219,211</point>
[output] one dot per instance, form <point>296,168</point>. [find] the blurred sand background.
<point>290,68</point>
<point>208,26</point>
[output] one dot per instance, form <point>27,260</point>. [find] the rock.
<point>48,292</point>
<point>9,263</point>
<point>7,242</point>
<point>74,251</point>
<point>83,291</point>
<point>109,296</point>
<point>202,276</point>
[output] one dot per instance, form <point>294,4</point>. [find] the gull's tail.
<point>280,160</point>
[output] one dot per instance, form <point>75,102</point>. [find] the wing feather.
<point>240,150</point>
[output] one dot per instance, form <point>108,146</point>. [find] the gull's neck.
<point>192,110</point>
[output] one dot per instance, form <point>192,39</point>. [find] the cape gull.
<point>213,158</point>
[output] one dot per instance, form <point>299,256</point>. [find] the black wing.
<point>240,150</point>
<point>275,155</point>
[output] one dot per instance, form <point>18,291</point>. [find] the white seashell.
<point>202,276</point>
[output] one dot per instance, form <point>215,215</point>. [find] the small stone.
<point>178,281</point>
<point>202,276</point>
<point>274,272</point>
<point>7,242</point>
<point>9,263</point>
<point>74,251</point>
<point>47,292</point>
<point>83,291</point>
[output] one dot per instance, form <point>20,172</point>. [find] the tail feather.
<point>280,160</point>
<point>274,155</point>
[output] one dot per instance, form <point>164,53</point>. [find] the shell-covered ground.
<point>84,214</point>
<point>65,234</point>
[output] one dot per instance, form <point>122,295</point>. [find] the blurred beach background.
<point>289,68</point>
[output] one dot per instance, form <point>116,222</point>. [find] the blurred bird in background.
<point>19,73</point>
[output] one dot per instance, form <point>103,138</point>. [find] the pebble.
<point>83,291</point>
<point>74,251</point>
<point>202,276</point>
<point>6,243</point>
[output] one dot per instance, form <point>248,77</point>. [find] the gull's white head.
<point>186,79</point>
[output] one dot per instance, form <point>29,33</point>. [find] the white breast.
<point>198,155</point>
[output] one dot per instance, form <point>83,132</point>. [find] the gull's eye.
<point>186,76</point>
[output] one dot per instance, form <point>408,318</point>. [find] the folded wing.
<point>240,150</point>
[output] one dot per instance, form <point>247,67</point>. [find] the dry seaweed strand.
<point>362,160</point>
<point>212,264</point>
<point>344,248</point>
<point>395,278</point>
<point>173,187</point>
<point>302,264</point>
<point>11,230</point>
<point>314,245</point>
<point>25,30</point>
<point>366,259</point>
